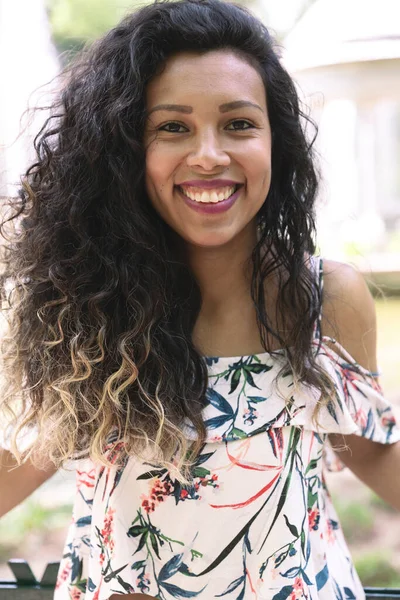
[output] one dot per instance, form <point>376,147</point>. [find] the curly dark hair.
<point>103,302</point>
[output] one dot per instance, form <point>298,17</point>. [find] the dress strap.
<point>318,272</point>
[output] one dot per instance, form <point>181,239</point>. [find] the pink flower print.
<point>158,492</point>
<point>330,532</point>
<point>388,421</point>
<point>143,582</point>
<point>148,506</point>
<point>313,518</point>
<point>250,415</point>
<point>96,594</point>
<point>207,480</point>
<point>361,418</point>
<point>75,594</point>
<point>107,531</point>
<point>63,575</point>
<point>160,489</point>
<point>298,584</point>
<point>298,591</point>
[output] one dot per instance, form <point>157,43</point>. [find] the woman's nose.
<point>208,153</point>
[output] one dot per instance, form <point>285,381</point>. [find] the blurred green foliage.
<point>357,519</point>
<point>375,570</point>
<point>30,525</point>
<point>76,22</point>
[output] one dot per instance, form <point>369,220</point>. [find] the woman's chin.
<point>221,237</point>
<point>209,241</point>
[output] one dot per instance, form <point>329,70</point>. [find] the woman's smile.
<point>210,201</point>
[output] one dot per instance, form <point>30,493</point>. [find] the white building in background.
<point>27,62</point>
<point>345,56</point>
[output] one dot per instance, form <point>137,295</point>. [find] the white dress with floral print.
<point>258,522</point>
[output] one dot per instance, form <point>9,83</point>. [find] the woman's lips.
<point>209,184</point>
<point>210,208</point>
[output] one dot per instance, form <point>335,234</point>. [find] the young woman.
<point>168,329</point>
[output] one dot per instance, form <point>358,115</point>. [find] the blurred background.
<point>345,58</point>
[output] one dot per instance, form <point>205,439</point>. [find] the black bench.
<point>26,587</point>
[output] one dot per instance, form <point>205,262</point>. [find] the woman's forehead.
<point>212,74</point>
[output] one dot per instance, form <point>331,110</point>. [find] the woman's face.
<point>208,146</point>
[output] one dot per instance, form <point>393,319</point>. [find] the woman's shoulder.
<point>348,312</point>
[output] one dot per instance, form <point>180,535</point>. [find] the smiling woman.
<point>167,329</point>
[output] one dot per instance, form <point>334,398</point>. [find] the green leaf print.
<point>171,567</point>
<point>125,586</point>
<point>200,472</point>
<point>142,541</point>
<point>303,542</point>
<point>139,564</point>
<point>249,378</point>
<point>136,530</point>
<point>311,465</point>
<point>311,498</point>
<point>152,474</point>
<point>256,398</point>
<point>292,528</point>
<point>349,594</point>
<point>284,593</point>
<point>113,574</point>
<point>232,586</point>
<point>216,422</point>
<point>291,455</point>
<point>258,368</point>
<point>238,433</point>
<point>184,569</point>
<point>202,458</point>
<point>235,380</point>
<point>177,592</point>
<point>154,545</point>
<point>322,577</point>
<point>219,402</point>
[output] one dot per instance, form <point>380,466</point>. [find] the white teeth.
<point>212,196</point>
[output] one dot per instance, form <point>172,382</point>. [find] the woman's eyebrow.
<point>238,104</point>
<point>189,109</point>
<point>172,107</point>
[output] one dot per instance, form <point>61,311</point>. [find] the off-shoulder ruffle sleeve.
<point>360,407</point>
<point>250,395</point>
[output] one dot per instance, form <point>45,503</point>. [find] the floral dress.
<point>257,523</point>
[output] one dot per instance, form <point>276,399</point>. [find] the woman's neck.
<point>227,322</point>
<point>223,273</point>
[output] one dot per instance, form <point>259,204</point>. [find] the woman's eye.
<point>172,128</point>
<point>241,125</point>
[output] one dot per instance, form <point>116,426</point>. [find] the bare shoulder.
<point>348,312</point>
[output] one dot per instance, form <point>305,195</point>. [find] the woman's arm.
<point>377,465</point>
<point>17,483</point>
<point>349,316</point>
